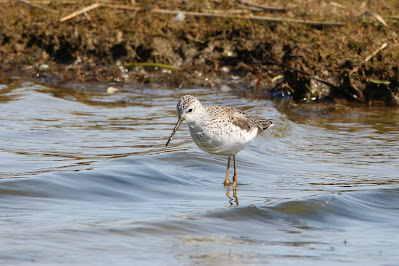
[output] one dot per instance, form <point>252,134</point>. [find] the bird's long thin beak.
<point>174,130</point>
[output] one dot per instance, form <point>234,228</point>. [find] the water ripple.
<point>85,178</point>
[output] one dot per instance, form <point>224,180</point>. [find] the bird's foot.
<point>227,183</point>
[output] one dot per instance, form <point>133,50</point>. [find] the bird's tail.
<point>266,123</point>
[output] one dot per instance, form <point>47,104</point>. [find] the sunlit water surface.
<point>85,179</point>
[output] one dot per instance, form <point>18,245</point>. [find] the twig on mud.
<point>355,69</point>
<point>81,11</point>
<point>149,64</point>
<point>267,8</point>
<point>337,5</point>
<point>35,6</point>
<point>225,14</point>
<point>230,11</point>
<point>307,74</point>
<point>123,7</point>
<point>378,17</point>
<point>382,47</point>
<point>256,18</point>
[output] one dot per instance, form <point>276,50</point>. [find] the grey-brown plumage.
<point>219,129</point>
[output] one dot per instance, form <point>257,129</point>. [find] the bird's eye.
<point>190,110</point>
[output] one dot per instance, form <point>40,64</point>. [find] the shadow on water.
<point>85,178</point>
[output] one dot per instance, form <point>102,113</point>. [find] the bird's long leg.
<point>227,181</point>
<point>235,173</point>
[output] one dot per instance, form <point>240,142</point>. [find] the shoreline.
<point>312,52</point>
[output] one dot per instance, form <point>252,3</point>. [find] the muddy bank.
<point>308,52</point>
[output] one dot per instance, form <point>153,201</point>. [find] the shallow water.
<point>85,178</point>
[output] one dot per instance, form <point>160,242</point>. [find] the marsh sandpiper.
<point>219,129</point>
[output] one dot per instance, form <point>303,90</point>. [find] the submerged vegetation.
<point>307,51</point>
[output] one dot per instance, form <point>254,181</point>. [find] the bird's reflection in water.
<point>233,200</point>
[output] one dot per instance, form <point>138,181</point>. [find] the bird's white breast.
<point>221,138</point>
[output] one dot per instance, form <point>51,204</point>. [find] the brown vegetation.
<point>308,50</point>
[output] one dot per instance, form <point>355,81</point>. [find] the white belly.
<point>227,141</point>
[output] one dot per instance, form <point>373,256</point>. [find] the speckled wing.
<point>245,121</point>
<point>238,118</point>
